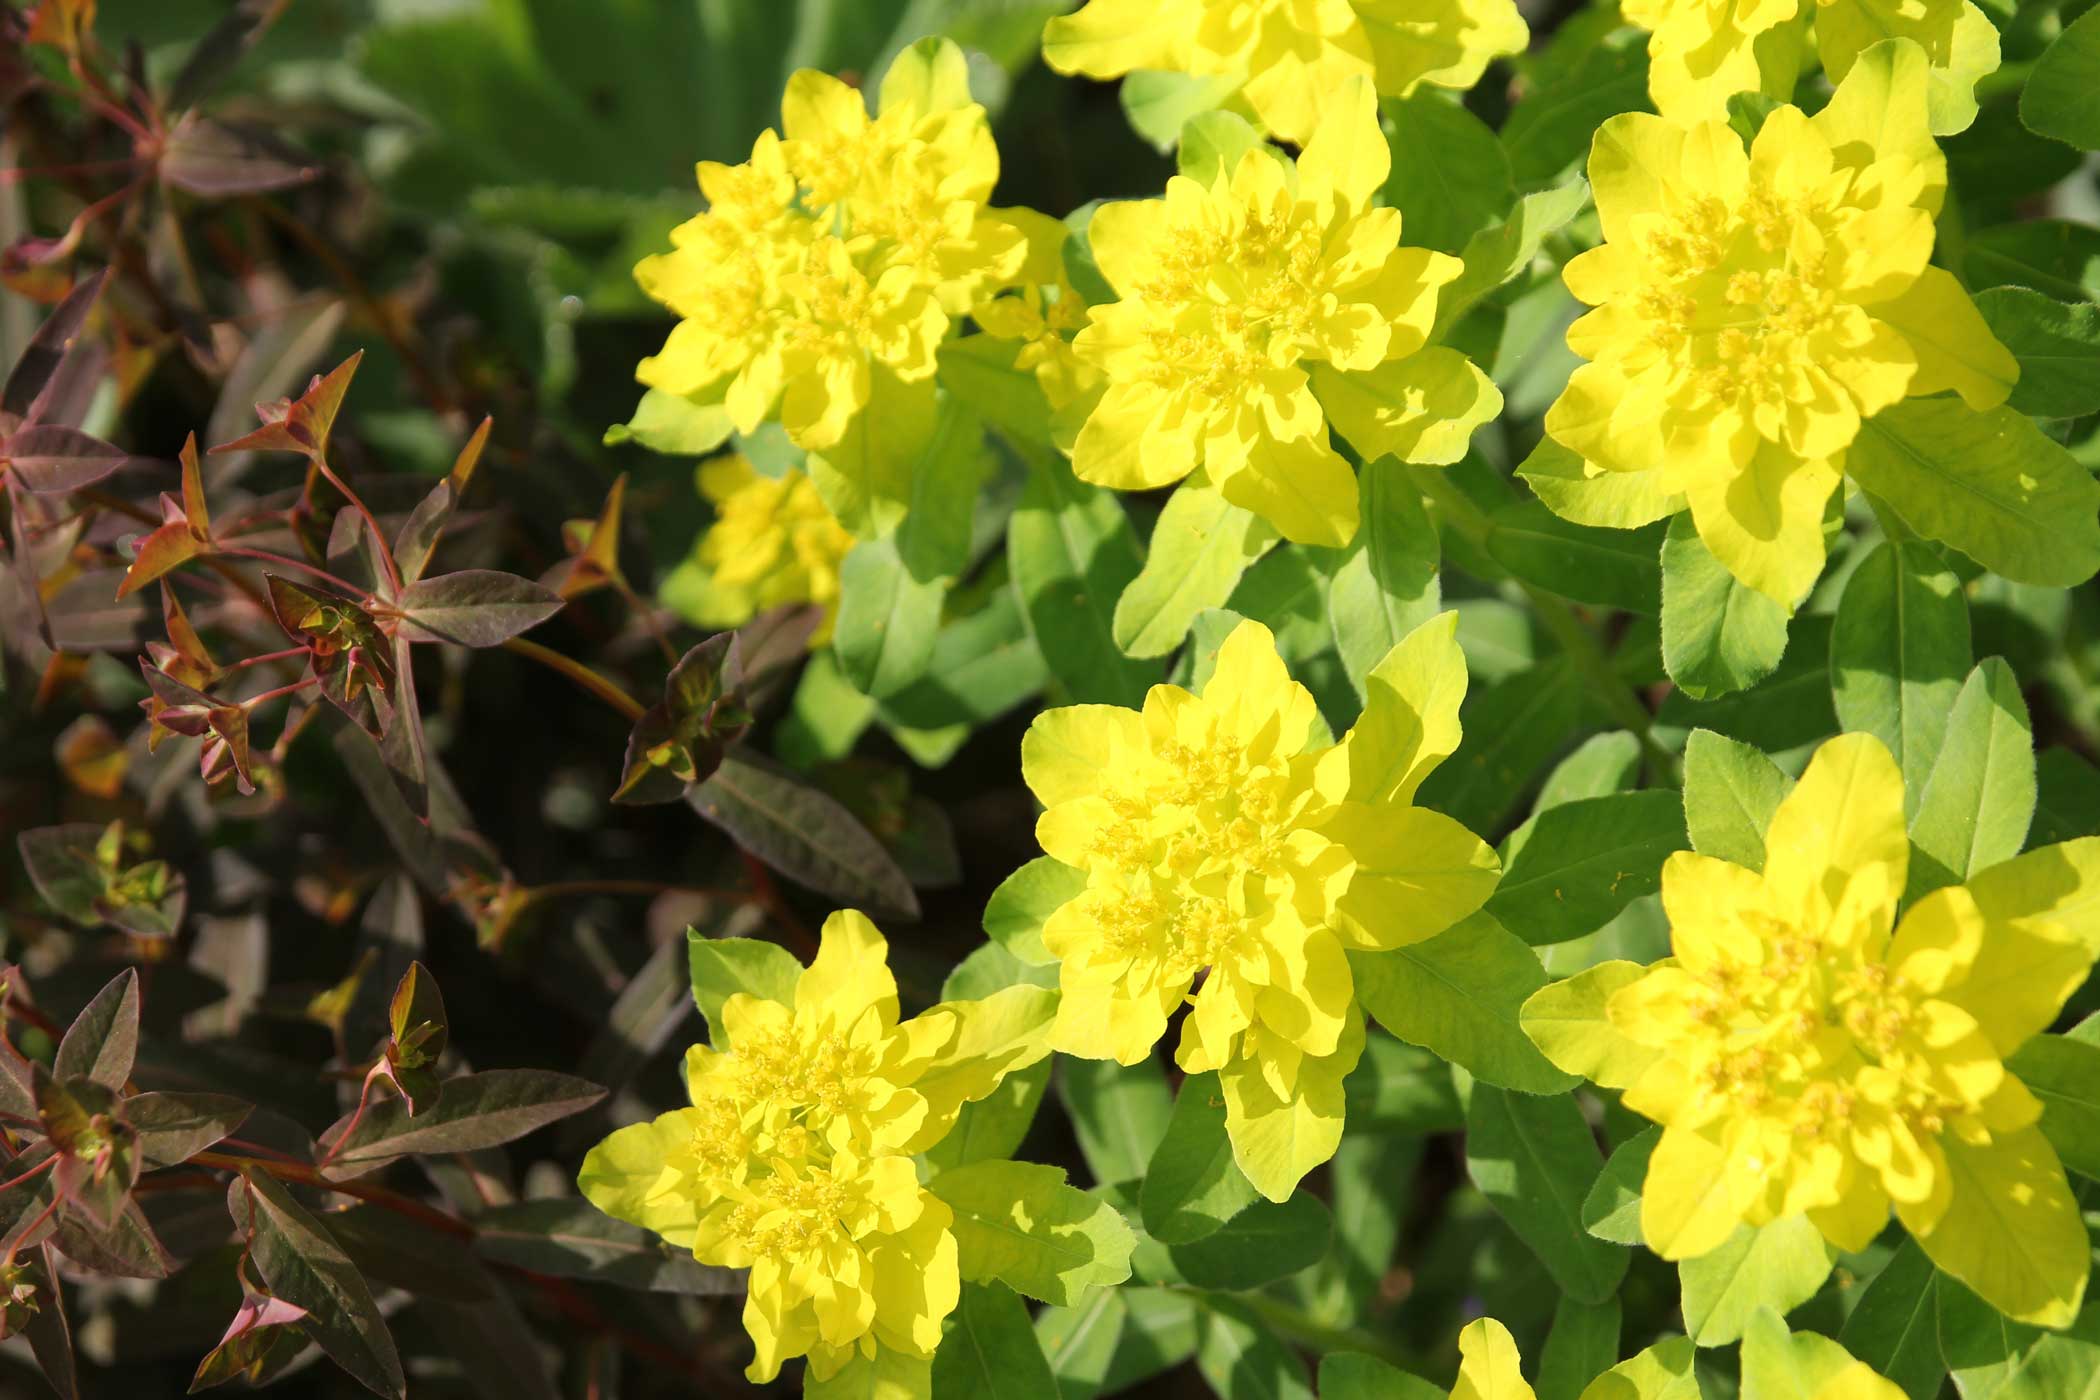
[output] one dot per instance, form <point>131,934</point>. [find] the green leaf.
<point>1497,255</point>
<point>887,619</point>
<point>1898,653</point>
<point>1581,1345</point>
<point>980,370</point>
<point>475,1111</point>
<point>1200,546</point>
<point>1718,635</point>
<point>2064,1074</point>
<point>474,607</point>
<point>1119,1113</point>
<point>1267,1241</point>
<point>1730,793</point>
<point>1572,868</point>
<point>1789,708</point>
<point>1979,796</point>
<point>1665,1371</point>
<point>995,1125</point>
<point>1990,484</point>
<point>1019,1222</point>
<point>1450,177</point>
<point>1534,1159</point>
<point>1192,1185</point>
<point>2057,345</point>
<point>1350,1375</point>
<point>1513,728</point>
<point>1212,144</point>
<point>1612,1209</point>
<point>103,1040</point>
<point>1605,568</point>
<point>1080,1342</point>
<point>1386,585</point>
<point>1779,1266</point>
<point>802,832</point>
<point>2058,99</point>
<point>990,1351</point>
<point>568,1237</point>
<point>984,664</point>
<point>1894,1326</point>
<point>1551,128</point>
<point>1243,1360</point>
<point>1399,1088</point>
<point>1073,554</point>
<point>304,1266</point>
<point>723,967</point>
<point>1015,914</point>
<point>2059,257</point>
<point>1159,104</point>
<point>675,426</point>
<point>2067,798</point>
<point>1458,994</point>
<point>1603,764</point>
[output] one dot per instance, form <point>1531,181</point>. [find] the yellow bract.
<point>1808,1054</point>
<point>795,1160</point>
<point>837,254</point>
<point>1289,58</point>
<point>773,543</point>
<point>1752,309</point>
<point>1256,309</point>
<point>1043,312</point>
<point>1223,834</point>
<point>1702,52</point>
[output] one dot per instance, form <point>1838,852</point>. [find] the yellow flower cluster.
<point>1223,835</point>
<point>1807,1053</point>
<point>773,543</point>
<point>1258,308</point>
<point>837,256</point>
<point>1043,312</point>
<point>795,1160</point>
<point>1751,309</point>
<point>1288,59</point>
<point>1702,52</point>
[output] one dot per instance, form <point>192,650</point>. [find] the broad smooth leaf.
<point>1458,994</point>
<point>1778,1266</point>
<point>1072,553</point>
<point>1612,1209</point>
<point>2063,1071</point>
<point>1898,654</point>
<point>1243,1360</point>
<point>1730,793</point>
<point>803,833</point>
<point>103,1040</point>
<point>1267,1241</point>
<point>1351,1375</point>
<point>990,1351</point>
<point>724,967</point>
<point>2058,98</point>
<point>1119,1113</point>
<point>1200,546</point>
<point>1192,1185</point>
<point>2057,345</point>
<point>1496,255</point>
<point>1605,568</point>
<point>1572,868</point>
<point>566,1237</point>
<point>1450,178</point>
<point>1386,585</point>
<point>1534,1159</point>
<point>1019,1223</point>
<point>475,1111</point>
<point>1582,1345</point>
<point>1894,1326</point>
<point>1015,914</point>
<point>303,1265</point>
<point>172,1128</point>
<point>887,619</point>
<point>1718,635</point>
<point>1990,484</point>
<point>1979,796</point>
<point>474,607</point>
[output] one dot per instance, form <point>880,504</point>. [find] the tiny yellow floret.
<point>772,544</point>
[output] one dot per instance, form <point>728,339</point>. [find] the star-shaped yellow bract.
<point>1290,58</point>
<point>1702,52</point>
<point>1223,834</point>
<point>1807,1053</point>
<point>1042,311</point>
<point>1256,310</point>
<point>795,1160</point>
<point>841,251</point>
<point>773,543</point>
<point>1753,308</point>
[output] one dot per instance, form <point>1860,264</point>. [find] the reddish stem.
<point>286,561</point>
<point>379,544</point>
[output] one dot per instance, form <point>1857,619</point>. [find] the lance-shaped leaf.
<point>48,458</point>
<point>262,1338</point>
<point>50,1334</point>
<point>174,1127</point>
<point>125,1248</point>
<point>1019,1223</point>
<point>103,1040</point>
<point>474,607</point>
<point>37,369</point>
<point>594,548</point>
<point>61,864</point>
<point>680,740</point>
<point>474,1111</point>
<point>1192,1185</point>
<point>304,1266</point>
<point>803,833</point>
<point>217,159</point>
<point>426,523</point>
<point>303,424</point>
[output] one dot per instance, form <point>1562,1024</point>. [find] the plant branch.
<point>596,682</point>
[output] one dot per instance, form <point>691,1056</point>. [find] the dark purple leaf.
<point>103,1041</point>
<point>303,1265</point>
<point>47,458</point>
<point>401,1253</point>
<point>214,56</point>
<point>568,1237</point>
<point>475,1111</point>
<point>126,1247</point>
<point>214,159</point>
<point>475,607</point>
<point>51,1336</point>
<point>61,864</point>
<point>174,1127</point>
<point>426,523</point>
<point>803,833</point>
<point>48,349</point>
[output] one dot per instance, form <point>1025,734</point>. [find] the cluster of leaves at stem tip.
<point>1523,600</point>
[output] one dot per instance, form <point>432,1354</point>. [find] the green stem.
<point>1299,1326</point>
<point>1578,643</point>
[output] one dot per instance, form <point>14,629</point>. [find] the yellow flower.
<point>1807,1053</point>
<point>772,544</point>
<point>1702,52</point>
<point>1256,310</point>
<point>1752,309</point>
<point>1290,57</point>
<point>795,1160</point>
<point>842,252</point>
<point>1224,834</point>
<point>1043,311</point>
